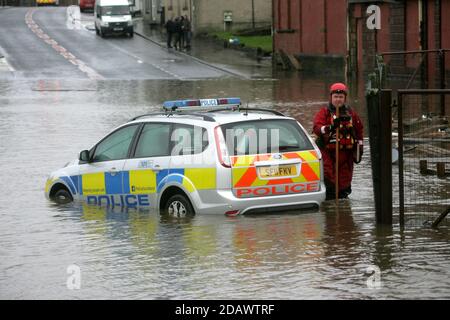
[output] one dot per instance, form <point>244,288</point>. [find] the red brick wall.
<point>316,26</point>
<point>313,35</point>
<point>384,33</point>
<point>445,31</point>
<point>412,32</point>
<point>431,20</point>
<point>336,26</point>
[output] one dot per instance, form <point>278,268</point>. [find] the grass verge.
<point>264,42</point>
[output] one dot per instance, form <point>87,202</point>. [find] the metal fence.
<point>424,152</point>
<point>414,123</point>
<point>420,69</point>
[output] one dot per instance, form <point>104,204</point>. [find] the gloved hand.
<point>336,123</point>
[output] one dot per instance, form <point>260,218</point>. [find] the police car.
<point>198,156</point>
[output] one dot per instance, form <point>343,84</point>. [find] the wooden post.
<point>423,164</point>
<point>441,217</point>
<point>380,136</point>
<point>337,159</point>
<point>385,114</point>
<point>440,170</point>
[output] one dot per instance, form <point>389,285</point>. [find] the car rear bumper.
<point>222,201</point>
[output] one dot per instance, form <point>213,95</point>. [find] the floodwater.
<point>131,254</point>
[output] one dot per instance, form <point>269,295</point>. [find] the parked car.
<point>86,5</point>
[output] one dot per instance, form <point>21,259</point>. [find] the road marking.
<point>91,73</point>
<point>5,65</point>
<point>153,64</point>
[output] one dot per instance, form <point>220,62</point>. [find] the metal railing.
<point>420,117</point>
<point>424,152</point>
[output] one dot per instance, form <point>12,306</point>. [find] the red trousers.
<point>345,167</point>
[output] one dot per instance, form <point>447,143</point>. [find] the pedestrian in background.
<point>181,33</point>
<point>177,32</point>
<point>170,29</point>
<point>187,32</point>
<point>350,141</point>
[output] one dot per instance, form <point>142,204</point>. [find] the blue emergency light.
<point>199,104</point>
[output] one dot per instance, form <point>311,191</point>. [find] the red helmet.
<point>338,88</point>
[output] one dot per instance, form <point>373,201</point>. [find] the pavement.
<point>210,52</point>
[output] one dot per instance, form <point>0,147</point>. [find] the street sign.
<point>227,16</point>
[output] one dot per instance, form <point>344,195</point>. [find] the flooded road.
<point>52,108</point>
<point>134,254</point>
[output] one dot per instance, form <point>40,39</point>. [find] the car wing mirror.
<point>84,156</point>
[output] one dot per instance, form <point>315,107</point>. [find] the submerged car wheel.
<point>62,196</point>
<point>178,206</point>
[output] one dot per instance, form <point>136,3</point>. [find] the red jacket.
<point>322,121</point>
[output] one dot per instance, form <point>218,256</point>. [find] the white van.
<point>113,16</point>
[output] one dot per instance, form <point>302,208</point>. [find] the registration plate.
<point>118,29</point>
<point>277,171</point>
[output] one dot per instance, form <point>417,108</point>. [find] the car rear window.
<point>265,136</point>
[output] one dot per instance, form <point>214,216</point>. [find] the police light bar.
<point>199,104</point>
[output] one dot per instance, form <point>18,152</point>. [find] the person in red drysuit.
<point>350,142</point>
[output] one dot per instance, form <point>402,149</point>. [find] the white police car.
<point>198,156</point>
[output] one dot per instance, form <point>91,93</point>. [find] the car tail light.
<point>232,213</point>
<point>222,150</point>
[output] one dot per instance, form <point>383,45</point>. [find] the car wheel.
<point>178,206</point>
<point>62,196</point>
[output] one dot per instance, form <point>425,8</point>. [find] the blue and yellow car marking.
<point>134,187</point>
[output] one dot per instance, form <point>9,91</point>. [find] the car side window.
<point>188,140</point>
<point>154,141</point>
<point>115,146</point>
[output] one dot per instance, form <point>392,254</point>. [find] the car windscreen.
<point>115,10</point>
<point>265,136</point>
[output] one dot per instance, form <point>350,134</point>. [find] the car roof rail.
<point>275,112</point>
<point>149,115</point>
<point>195,114</point>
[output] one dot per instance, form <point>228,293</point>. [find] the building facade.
<point>219,15</point>
<point>151,10</point>
<point>338,31</point>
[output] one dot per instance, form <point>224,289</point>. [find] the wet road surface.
<point>47,47</point>
<point>128,254</point>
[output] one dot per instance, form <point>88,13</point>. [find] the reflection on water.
<point>139,254</point>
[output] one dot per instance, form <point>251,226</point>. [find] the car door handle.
<point>156,167</point>
<point>113,171</point>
